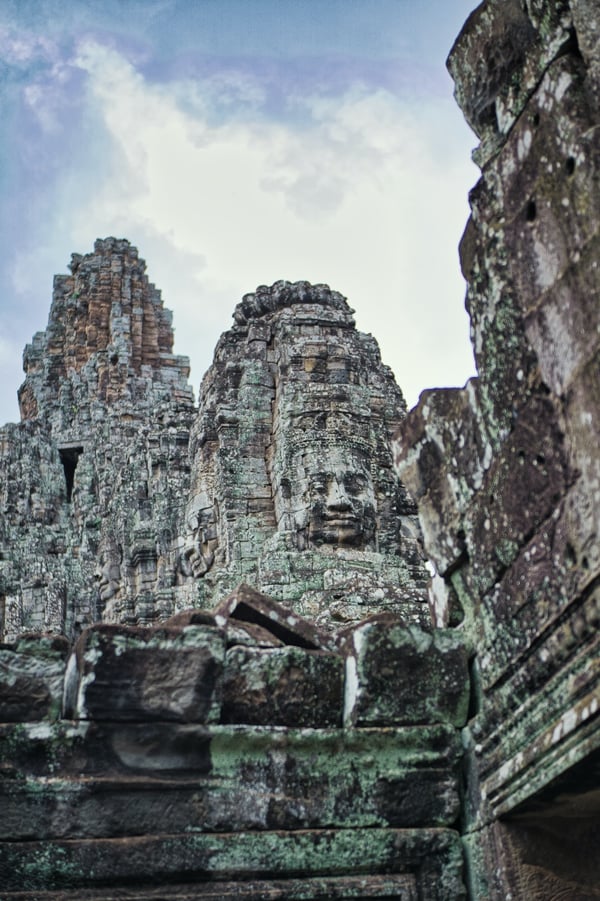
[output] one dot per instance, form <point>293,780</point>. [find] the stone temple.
<point>223,672</point>
<point>126,504</point>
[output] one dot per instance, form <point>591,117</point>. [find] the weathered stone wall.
<point>506,471</point>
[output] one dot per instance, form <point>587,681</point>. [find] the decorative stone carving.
<point>201,537</point>
<point>326,494</point>
<point>108,572</point>
<point>114,510</point>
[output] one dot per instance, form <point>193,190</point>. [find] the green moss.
<point>49,865</point>
<point>506,551</point>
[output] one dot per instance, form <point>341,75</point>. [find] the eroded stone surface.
<point>397,674</point>
<point>247,607</point>
<point>432,857</point>
<point>32,678</point>
<point>287,686</point>
<point>120,673</point>
<point>225,779</point>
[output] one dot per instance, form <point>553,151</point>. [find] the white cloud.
<point>220,198</point>
<point>19,47</point>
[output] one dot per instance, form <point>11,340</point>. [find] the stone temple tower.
<point>92,476</point>
<point>293,488</point>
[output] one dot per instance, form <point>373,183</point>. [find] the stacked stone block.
<point>163,767</point>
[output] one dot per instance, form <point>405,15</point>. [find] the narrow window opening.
<point>531,211</point>
<point>69,457</point>
<point>476,691</point>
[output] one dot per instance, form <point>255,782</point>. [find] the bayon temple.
<point>224,671</point>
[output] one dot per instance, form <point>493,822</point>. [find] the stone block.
<point>250,606</point>
<point>111,752</point>
<point>31,678</point>
<point>80,780</point>
<point>441,454</point>
<point>286,686</point>
<point>397,674</point>
<point>559,329</point>
<point>190,618</point>
<point>241,633</point>
<point>527,476</point>
<point>428,862</point>
<point>146,674</point>
<point>492,45</point>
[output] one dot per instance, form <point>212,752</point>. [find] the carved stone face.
<point>108,572</point>
<point>333,499</point>
<point>201,539</point>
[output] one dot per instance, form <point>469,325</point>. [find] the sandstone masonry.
<point>220,675</point>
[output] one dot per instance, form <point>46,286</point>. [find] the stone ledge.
<point>126,779</point>
<point>397,675</point>
<point>433,856</point>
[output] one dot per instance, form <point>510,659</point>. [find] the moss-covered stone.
<point>283,687</point>
<point>31,679</point>
<point>433,857</point>
<point>398,675</point>
<point>161,673</point>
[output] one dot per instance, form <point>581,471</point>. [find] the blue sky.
<point>237,142</point>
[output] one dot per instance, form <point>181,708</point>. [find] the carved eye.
<point>355,483</point>
<point>319,484</point>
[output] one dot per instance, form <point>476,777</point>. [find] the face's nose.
<point>338,498</point>
<point>189,545</point>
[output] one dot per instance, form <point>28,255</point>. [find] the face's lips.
<point>197,564</point>
<point>341,520</point>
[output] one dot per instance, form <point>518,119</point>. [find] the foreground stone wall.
<point>506,471</point>
<point>239,753</point>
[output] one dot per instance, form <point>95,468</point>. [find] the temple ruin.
<point>224,672</point>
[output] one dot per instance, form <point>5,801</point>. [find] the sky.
<point>235,143</point>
